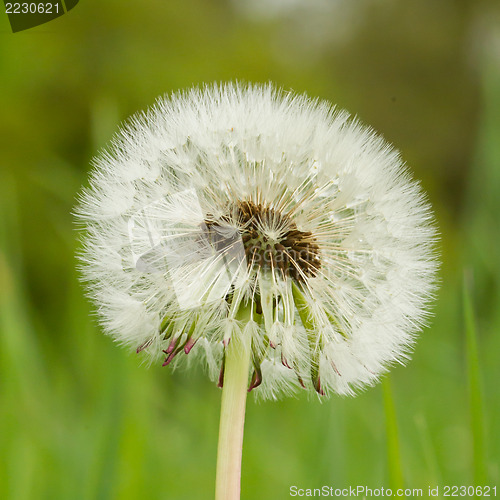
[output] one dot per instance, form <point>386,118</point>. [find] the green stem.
<point>232,417</point>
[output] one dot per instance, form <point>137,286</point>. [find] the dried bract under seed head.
<point>236,197</point>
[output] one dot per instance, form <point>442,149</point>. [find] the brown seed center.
<point>271,239</point>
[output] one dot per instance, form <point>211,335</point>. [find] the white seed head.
<point>233,195</point>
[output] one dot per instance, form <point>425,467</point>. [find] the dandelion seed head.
<point>245,194</point>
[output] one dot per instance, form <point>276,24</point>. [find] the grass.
<point>394,462</point>
<point>475,390</point>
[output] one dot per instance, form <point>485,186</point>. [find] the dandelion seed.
<point>271,237</point>
<point>233,195</point>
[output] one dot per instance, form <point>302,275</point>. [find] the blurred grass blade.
<point>474,383</point>
<point>393,447</point>
<point>429,450</point>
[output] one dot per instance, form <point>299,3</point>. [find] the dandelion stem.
<point>232,418</point>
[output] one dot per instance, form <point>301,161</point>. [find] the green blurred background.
<point>82,419</point>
